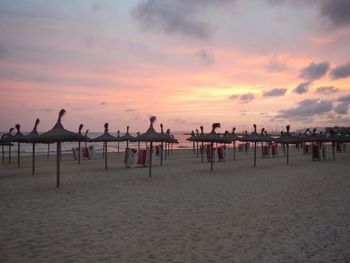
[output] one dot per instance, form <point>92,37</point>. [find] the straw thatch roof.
<point>58,133</point>
<point>255,137</point>
<point>106,136</point>
<point>127,136</point>
<point>151,135</point>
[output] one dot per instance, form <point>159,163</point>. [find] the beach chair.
<point>221,153</point>
<point>266,151</point>
<point>85,153</point>
<point>158,149</point>
<point>91,152</point>
<point>130,157</point>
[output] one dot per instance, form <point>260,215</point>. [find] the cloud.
<point>302,88</point>
<point>306,108</point>
<point>275,92</point>
<point>326,90</point>
<point>129,110</point>
<point>171,17</point>
<point>103,103</point>
<point>344,98</point>
<point>342,108</point>
<point>206,56</point>
<point>336,11</point>
<point>274,65</point>
<point>244,98</point>
<point>4,53</point>
<point>342,71</point>
<point>314,71</point>
<point>98,6</point>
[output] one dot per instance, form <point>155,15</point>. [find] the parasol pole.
<point>58,165</point>
<point>33,160</point>
<point>212,156</point>
<point>150,160</point>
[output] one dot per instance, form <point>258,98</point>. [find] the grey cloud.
<point>170,17</point>
<point>342,71</point>
<point>307,108</point>
<point>275,92</point>
<point>243,98</point>
<point>275,66</point>
<point>327,90</point>
<point>336,11</point>
<point>4,53</point>
<point>180,16</point>
<point>314,71</point>
<point>98,6</point>
<point>129,110</point>
<point>342,108</point>
<point>344,98</point>
<point>302,88</point>
<point>246,98</point>
<point>206,56</point>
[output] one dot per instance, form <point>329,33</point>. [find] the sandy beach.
<point>274,213</point>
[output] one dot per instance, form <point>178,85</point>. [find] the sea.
<point>66,148</point>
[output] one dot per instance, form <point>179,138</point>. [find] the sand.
<point>184,213</point>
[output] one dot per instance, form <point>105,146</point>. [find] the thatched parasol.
<point>30,138</point>
<point>127,137</point>
<point>152,136</point>
<point>233,137</point>
<point>58,134</point>
<point>255,137</point>
<point>79,142</point>
<point>18,137</point>
<point>287,138</point>
<point>105,138</point>
<point>6,140</point>
<point>213,137</point>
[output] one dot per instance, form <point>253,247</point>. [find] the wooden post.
<point>33,160</point>
<point>287,153</point>
<point>202,153</point>
<point>254,154</point>
<point>9,152</point>
<point>18,154</point>
<point>212,157</point>
<point>150,160</point>
<point>105,143</point>
<point>48,151</point>
<point>161,154</point>
<point>58,164</point>
<point>79,150</point>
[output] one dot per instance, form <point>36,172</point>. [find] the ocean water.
<point>42,149</point>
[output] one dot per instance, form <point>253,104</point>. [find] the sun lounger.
<point>136,158</point>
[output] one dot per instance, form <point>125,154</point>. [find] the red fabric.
<point>142,157</point>
<point>85,152</point>
<point>220,152</point>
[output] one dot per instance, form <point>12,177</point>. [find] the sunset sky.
<point>189,62</point>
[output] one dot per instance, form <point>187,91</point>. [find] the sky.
<point>188,62</point>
